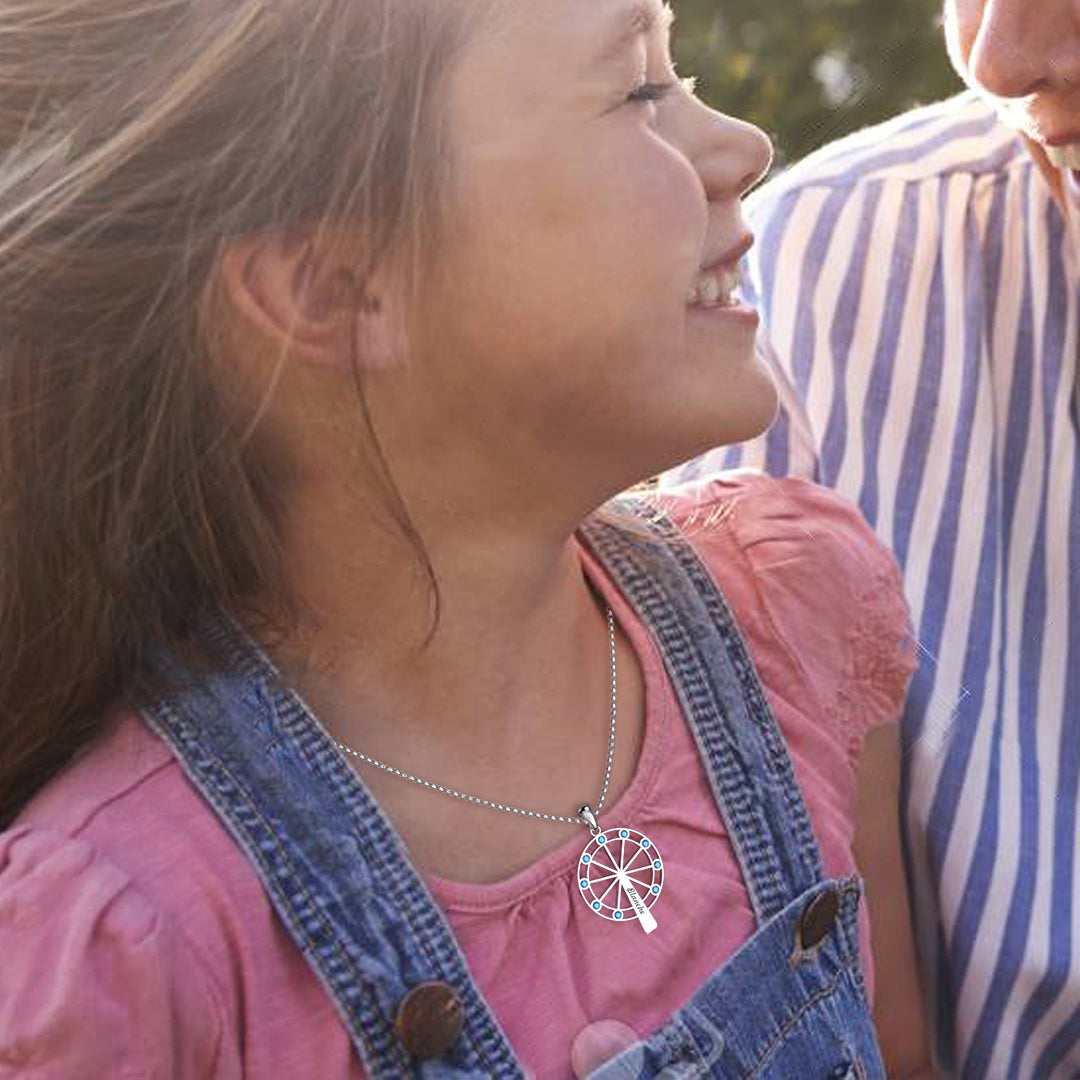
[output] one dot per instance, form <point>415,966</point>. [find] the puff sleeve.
<point>94,981</point>
<point>828,587</point>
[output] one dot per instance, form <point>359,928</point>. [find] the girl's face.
<point>557,331</point>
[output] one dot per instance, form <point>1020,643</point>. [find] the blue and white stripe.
<point>920,298</point>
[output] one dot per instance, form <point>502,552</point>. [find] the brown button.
<point>818,918</point>
<point>429,1019</point>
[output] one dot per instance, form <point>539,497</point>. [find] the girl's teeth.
<point>1064,157</point>
<point>714,288</point>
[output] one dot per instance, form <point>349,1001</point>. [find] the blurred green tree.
<point>809,71</point>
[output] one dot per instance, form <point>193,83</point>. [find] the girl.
<point>342,734</point>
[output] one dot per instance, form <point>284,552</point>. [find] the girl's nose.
<point>731,155</point>
<point>759,150</point>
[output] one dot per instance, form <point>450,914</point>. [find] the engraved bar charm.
<point>648,923</point>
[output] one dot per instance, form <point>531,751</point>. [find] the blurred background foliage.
<point>809,71</point>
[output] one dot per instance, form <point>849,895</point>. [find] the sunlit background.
<point>809,71</point>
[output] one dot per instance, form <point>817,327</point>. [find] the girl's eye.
<point>651,91</point>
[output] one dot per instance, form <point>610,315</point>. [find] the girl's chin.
<point>741,418</point>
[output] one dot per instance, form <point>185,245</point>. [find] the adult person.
<point>307,780</point>
<point>919,288</point>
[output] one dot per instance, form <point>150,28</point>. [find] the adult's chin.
<point>1064,185</point>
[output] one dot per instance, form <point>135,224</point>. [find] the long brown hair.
<point>131,496</point>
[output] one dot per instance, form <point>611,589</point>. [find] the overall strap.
<point>717,685</point>
<point>330,862</point>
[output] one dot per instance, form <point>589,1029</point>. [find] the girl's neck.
<point>521,643</point>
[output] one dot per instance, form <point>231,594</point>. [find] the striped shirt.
<point>919,297</point>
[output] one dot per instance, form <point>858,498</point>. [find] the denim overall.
<point>339,877</point>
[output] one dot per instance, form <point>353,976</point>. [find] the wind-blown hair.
<point>136,139</point>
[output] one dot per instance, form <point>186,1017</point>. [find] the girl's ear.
<point>309,294</point>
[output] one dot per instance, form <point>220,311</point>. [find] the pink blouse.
<point>136,940</point>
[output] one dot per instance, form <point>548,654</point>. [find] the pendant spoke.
<point>602,877</point>
<point>609,888</point>
<point>611,861</point>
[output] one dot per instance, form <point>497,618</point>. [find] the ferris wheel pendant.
<point>620,873</point>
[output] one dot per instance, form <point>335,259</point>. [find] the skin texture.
<point>553,363</point>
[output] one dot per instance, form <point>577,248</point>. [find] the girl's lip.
<point>740,313</point>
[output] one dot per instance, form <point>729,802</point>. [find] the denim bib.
<point>790,1003</point>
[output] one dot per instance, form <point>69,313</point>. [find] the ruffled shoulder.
<point>824,582</point>
<point>94,981</point>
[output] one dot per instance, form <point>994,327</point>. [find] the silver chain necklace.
<point>599,869</point>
